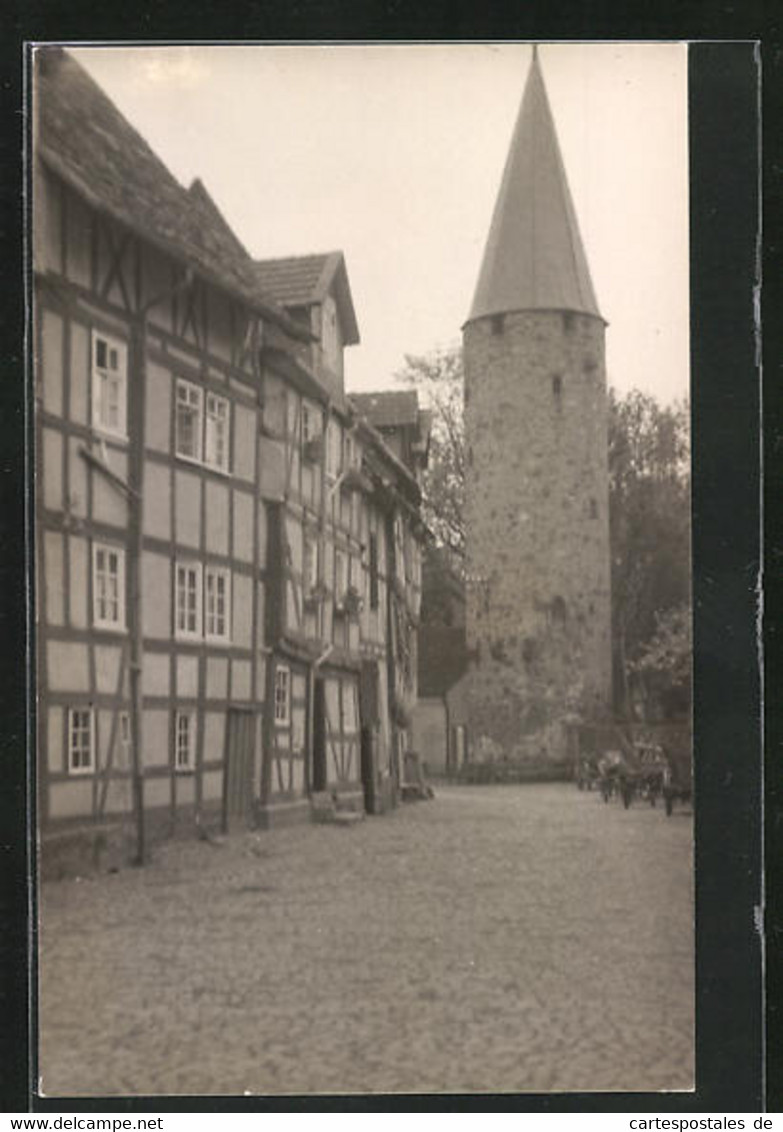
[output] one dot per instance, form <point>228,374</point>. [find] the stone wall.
<point>537,512</point>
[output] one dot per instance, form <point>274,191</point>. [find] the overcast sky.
<point>394,154</point>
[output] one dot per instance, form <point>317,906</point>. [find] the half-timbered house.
<point>223,542</point>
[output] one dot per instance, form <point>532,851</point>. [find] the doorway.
<point>238,768</point>
<point>319,736</point>
<point>368,757</point>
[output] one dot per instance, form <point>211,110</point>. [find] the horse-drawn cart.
<point>678,777</point>
<point>637,771</point>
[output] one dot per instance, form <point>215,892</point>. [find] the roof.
<point>389,409</point>
<point>534,258</point>
<point>86,141</point>
<point>443,658</point>
<point>300,281</point>
<point>199,193</point>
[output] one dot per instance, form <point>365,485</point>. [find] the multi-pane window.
<point>202,601</point>
<point>216,434</point>
<point>109,384</point>
<point>188,599</point>
<point>108,586</point>
<point>184,741</point>
<point>217,603</point>
<point>81,740</point>
<point>282,695</point>
<point>188,427</point>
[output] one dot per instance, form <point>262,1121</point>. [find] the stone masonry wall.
<point>537,513</point>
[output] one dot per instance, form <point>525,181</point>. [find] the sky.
<point>394,155</point>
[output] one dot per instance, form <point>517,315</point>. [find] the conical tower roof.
<point>534,259</point>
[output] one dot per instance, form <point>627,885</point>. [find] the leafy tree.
<point>664,663</point>
<point>439,378</point>
<point>649,516</point>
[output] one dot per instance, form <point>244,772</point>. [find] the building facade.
<point>537,514</point>
<point>228,564</point>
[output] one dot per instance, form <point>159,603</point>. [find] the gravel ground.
<point>512,938</point>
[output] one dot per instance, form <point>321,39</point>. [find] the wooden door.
<point>319,736</point>
<point>238,768</point>
<point>369,762</point>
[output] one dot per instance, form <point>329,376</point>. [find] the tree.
<point>663,666</point>
<point>649,515</point>
<point>439,377</point>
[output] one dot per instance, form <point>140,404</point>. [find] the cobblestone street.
<point>497,938</point>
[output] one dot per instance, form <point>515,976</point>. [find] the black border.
<point>723,86</point>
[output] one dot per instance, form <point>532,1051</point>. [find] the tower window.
<point>498,321</point>
<point>558,609</point>
<point>557,386</point>
<point>593,509</point>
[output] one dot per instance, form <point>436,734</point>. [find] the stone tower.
<point>538,607</point>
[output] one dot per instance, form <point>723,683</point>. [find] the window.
<point>399,547</point>
<point>333,449</point>
<point>340,575</point>
<point>81,740</point>
<point>188,420</point>
<point>310,422</point>
<point>348,705</point>
<point>310,565</point>
<point>217,603</point>
<point>557,385</point>
<point>282,695</point>
<point>373,571</point>
<point>108,586</point>
<point>109,384</point>
<point>206,610</point>
<point>188,600</point>
<point>185,741</point>
<point>216,435</point>
<point>329,335</point>
<point>353,456</point>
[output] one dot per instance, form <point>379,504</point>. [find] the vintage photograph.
<point>362,575</point>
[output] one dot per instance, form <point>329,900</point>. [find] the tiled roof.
<point>85,140</point>
<point>299,281</point>
<point>534,259</point>
<point>442,658</point>
<point>389,409</point>
<point>292,281</point>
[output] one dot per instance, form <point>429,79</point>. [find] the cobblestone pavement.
<point>497,938</point>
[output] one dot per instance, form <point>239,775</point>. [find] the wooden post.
<point>137,387</point>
